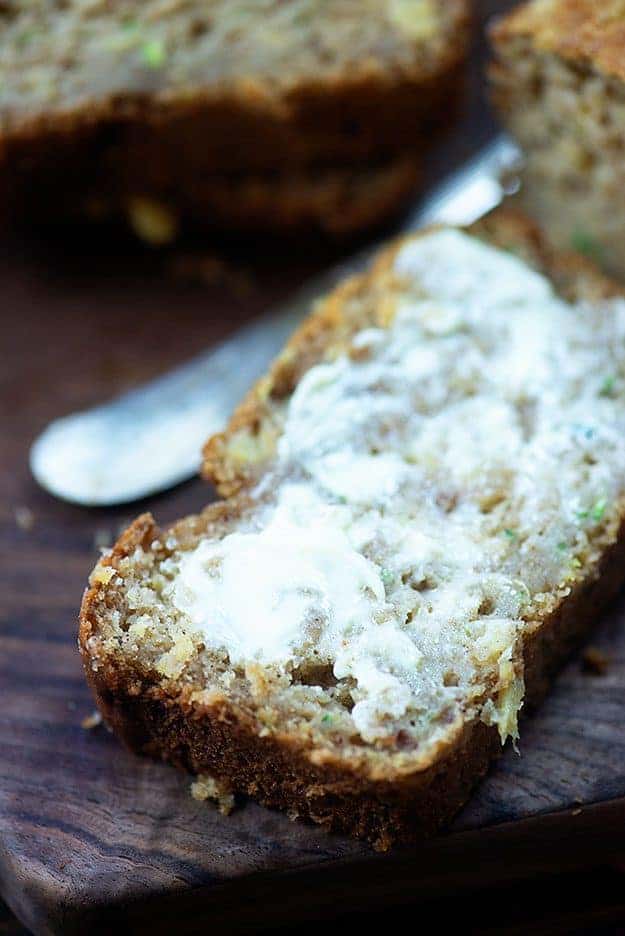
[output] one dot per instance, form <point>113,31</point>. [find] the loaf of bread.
<point>158,110</point>
<point>559,83</point>
<point>423,510</point>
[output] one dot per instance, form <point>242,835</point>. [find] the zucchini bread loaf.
<point>166,111</point>
<point>424,509</point>
<point>559,83</point>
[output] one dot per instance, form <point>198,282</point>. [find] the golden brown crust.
<point>352,118</point>
<point>211,739</point>
<point>582,31</point>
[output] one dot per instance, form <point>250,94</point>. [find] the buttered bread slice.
<point>424,509</point>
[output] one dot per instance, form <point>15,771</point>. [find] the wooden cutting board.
<point>92,837</point>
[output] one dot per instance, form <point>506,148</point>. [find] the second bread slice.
<point>163,112</point>
<point>559,85</point>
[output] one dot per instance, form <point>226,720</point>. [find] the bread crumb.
<point>205,787</point>
<point>419,19</point>
<point>595,661</point>
<point>260,684</point>
<point>153,222</point>
<point>172,663</point>
<point>101,575</point>
<point>91,721</point>
<point>24,518</point>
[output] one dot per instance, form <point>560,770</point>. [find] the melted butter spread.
<point>430,494</point>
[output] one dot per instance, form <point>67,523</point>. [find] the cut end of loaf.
<point>558,84</point>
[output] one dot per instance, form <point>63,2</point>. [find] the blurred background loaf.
<point>559,85</point>
<point>261,115</point>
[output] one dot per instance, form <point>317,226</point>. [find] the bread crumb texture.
<point>582,31</point>
<point>558,83</point>
<point>58,55</point>
<point>441,466</point>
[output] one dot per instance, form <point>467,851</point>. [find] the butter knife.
<point>150,438</point>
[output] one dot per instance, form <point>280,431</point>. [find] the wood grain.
<point>92,837</point>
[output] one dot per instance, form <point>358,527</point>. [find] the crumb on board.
<point>595,661</point>
<point>205,787</point>
<point>91,721</point>
<point>24,518</point>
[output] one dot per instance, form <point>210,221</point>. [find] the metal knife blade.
<point>150,438</point>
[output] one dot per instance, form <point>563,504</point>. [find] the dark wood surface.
<point>92,837</point>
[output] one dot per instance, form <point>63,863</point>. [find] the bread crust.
<point>336,203</point>
<point>162,145</point>
<point>381,801</point>
<point>582,31</point>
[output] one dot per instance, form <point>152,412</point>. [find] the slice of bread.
<point>559,84</point>
<point>425,502</point>
<point>105,103</point>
